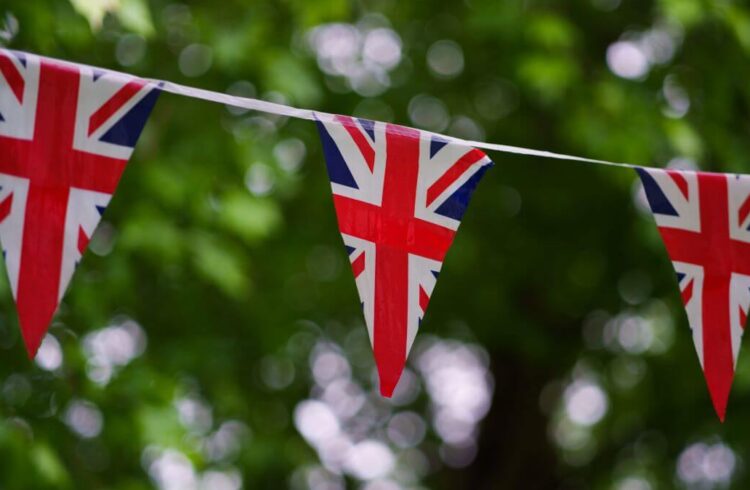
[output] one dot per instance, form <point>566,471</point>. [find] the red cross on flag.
<point>66,134</point>
<point>704,220</point>
<point>399,195</point>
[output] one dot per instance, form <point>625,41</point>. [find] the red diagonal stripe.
<point>364,145</point>
<point>12,76</point>
<point>680,180</point>
<point>453,174</point>
<point>743,318</point>
<point>744,211</point>
<point>5,207</point>
<point>687,293</point>
<point>114,104</point>
<point>83,240</point>
<point>358,265</point>
<point>424,299</point>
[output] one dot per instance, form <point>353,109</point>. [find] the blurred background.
<point>212,337</point>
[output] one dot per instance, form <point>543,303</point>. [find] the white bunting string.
<point>233,100</point>
<point>289,111</point>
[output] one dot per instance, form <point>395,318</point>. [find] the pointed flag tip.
<point>389,380</point>
<point>32,346</point>
<point>386,391</point>
<point>720,406</point>
<point>34,327</point>
<point>722,414</point>
<point>720,398</point>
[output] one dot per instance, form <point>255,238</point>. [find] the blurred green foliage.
<point>218,275</point>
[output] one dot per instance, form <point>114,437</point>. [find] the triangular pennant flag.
<point>704,221</point>
<point>399,195</point>
<point>65,138</point>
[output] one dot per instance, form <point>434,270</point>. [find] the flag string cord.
<point>289,111</point>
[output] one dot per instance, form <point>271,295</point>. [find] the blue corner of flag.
<point>338,171</point>
<point>128,129</point>
<point>656,199</point>
<point>455,206</point>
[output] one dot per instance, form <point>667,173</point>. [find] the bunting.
<point>66,134</point>
<point>399,196</point>
<point>704,221</point>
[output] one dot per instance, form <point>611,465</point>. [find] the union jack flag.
<point>399,195</point>
<point>704,221</point>
<point>66,134</point>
